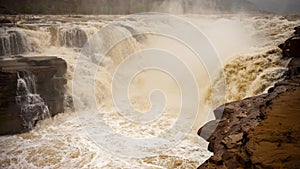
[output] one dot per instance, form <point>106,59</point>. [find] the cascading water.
<point>251,75</point>
<point>12,42</point>
<point>33,107</point>
<point>72,37</point>
<point>250,41</point>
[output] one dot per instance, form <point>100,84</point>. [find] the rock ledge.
<point>34,83</point>
<point>261,131</point>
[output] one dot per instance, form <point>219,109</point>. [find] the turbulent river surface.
<point>247,50</point>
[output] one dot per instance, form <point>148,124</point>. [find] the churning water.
<point>248,54</point>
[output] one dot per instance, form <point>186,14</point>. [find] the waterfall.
<point>12,43</point>
<point>250,42</point>
<point>72,37</point>
<point>33,107</point>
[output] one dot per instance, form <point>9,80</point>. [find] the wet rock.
<point>294,69</point>
<point>290,48</point>
<point>264,119</point>
<point>49,84</point>
<point>261,131</point>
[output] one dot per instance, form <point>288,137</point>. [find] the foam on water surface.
<point>247,46</point>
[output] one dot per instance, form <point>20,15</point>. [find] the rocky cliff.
<point>261,131</point>
<point>31,88</point>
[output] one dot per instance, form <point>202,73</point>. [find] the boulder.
<point>28,87</point>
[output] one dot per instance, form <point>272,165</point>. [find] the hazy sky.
<point>279,6</point>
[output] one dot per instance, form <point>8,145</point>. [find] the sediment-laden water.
<point>247,49</point>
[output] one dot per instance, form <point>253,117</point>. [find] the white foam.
<point>61,143</point>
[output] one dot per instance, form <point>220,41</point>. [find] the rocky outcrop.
<point>261,131</point>
<point>30,88</point>
<point>291,46</point>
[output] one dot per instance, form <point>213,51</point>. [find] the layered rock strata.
<point>30,89</point>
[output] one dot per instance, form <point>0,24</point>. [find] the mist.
<point>231,6</point>
<point>278,6</point>
<point>208,7</point>
<point>115,7</point>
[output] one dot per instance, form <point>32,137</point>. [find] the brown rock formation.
<point>261,131</point>
<point>291,46</point>
<point>46,90</point>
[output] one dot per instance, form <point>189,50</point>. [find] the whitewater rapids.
<point>246,44</point>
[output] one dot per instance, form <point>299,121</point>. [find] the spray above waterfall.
<point>179,67</point>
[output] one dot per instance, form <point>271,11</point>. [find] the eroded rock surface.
<point>32,81</point>
<point>261,131</point>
